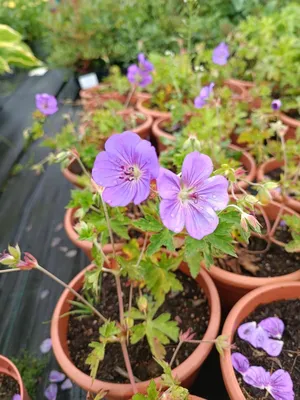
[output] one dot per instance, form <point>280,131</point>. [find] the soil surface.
<point>289,358</point>
<point>273,262</point>
<point>275,174</point>
<point>293,114</point>
<point>8,387</point>
<point>189,308</point>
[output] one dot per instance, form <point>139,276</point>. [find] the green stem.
<point>3,271</point>
<point>285,167</point>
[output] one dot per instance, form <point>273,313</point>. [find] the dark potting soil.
<point>173,128</point>
<point>275,174</point>
<point>190,308</point>
<point>293,114</point>
<point>274,262</point>
<point>289,358</point>
<point>8,387</point>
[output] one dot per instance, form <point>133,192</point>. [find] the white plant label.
<point>88,81</point>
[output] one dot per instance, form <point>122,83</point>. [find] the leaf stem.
<point>3,271</point>
<point>128,366</point>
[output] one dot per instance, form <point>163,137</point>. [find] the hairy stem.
<point>85,171</point>
<point>120,298</point>
<point>81,298</point>
<point>128,366</point>
<point>4,271</point>
<point>277,220</point>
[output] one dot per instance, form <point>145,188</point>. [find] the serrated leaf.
<point>293,246</point>
<point>152,392</point>
<point>95,357</point>
<point>148,224</point>
<point>137,333</point>
<point>120,229</point>
<point>167,327</point>
<point>163,238</point>
<point>109,329</point>
<point>194,263</point>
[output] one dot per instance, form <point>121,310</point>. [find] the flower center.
<point>130,173</point>
<point>186,195</point>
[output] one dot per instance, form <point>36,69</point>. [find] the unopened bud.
<point>142,304</point>
<point>222,343</point>
<point>264,196</point>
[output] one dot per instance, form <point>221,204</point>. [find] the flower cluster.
<point>279,384</point>
<point>264,335</point>
<point>201,100</point>
<point>140,74</point>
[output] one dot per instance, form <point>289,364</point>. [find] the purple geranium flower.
<point>240,363</point>
<point>191,201</point>
<point>46,345</point>
<point>257,377</point>
<point>281,385</point>
<point>273,326</point>
<point>220,54</point>
<point>51,391</point>
<point>125,169</point>
<point>56,376</point>
<point>140,74</point>
<point>201,100</point>
<point>46,103</point>
<point>276,104</point>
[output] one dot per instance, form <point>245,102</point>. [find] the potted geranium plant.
<point>11,384</point>
<point>129,297</point>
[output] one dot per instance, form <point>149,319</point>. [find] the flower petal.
<point>51,391</point>
<point>258,338</point>
<point>123,145</point>
<point>281,380</point>
<point>172,214</point>
<point>106,170</point>
<point>200,221</point>
<point>168,184</point>
<point>146,158</point>
<point>56,376</point>
<point>120,195</point>
<point>215,192</point>
<point>46,346</point>
<point>240,363</point>
<point>142,187</point>
<point>273,347</point>
<point>273,326</point>
<point>195,169</point>
<point>16,397</point>
<point>67,384</point>
<point>278,395</point>
<point>245,330</point>
<point>257,377</point>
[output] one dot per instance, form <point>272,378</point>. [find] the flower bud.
<point>142,303</point>
<point>222,344</point>
<point>264,196</point>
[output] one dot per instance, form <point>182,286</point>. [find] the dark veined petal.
<point>281,385</point>
<point>172,214</point>
<point>195,169</point>
<point>257,377</point>
<point>273,326</point>
<point>168,184</point>
<point>106,170</point>
<point>273,347</point>
<point>200,221</point>
<point>246,330</point>
<point>240,363</point>
<point>215,192</point>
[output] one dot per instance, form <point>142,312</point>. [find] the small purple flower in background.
<point>273,326</point>
<point>240,363</point>
<point>56,376</point>
<point>192,200</point>
<point>281,386</point>
<point>46,103</point>
<point>220,54</point>
<point>51,391</point>
<point>66,385</point>
<point>16,397</point>
<point>245,330</point>
<point>257,377</point>
<point>140,74</point>
<point>125,169</point>
<point>46,346</point>
<point>276,104</point>
<point>201,100</point>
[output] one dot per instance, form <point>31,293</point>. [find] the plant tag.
<point>88,81</point>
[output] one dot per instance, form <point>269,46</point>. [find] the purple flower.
<point>220,54</point>
<point>51,391</point>
<point>273,326</point>
<point>66,385</point>
<point>125,169</point>
<point>273,347</point>
<point>246,330</point>
<point>240,363</point>
<point>276,104</point>
<point>16,397</point>
<point>140,74</point>
<point>56,376</point>
<point>46,346</point>
<point>201,100</point>
<point>258,338</point>
<point>281,385</point>
<point>46,103</point>
<point>191,201</point>
<point>257,377</point>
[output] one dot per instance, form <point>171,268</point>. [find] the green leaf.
<point>152,392</point>
<point>120,229</point>
<point>148,224</point>
<point>92,280</point>
<point>81,199</point>
<point>137,333</point>
<point>139,396</point>
<point>85,231</point>
<point>194,263</point>
<point>95,357</point>
<point>163,238</point>
<point>164,325</point>
<point>294,245</point>
<point>109,329</point>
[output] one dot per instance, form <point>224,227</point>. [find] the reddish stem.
<point>128,366</point>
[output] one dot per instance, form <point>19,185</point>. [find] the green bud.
<point>142,303</point>
<point>15,252</point>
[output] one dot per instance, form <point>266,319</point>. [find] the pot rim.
<point>293,122</point>
<point>140,105</point>
<point>11,370</point>
<point>252,299</point>
<point>185,369</point>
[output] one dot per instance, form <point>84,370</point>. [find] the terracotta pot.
<point>191,397</point>
<point>232,287</point>
<point>246,159</point>
<point>244,85</point>
<point>240,92</point>
<point>142,105</point>
<point>84,245</point>
<point>267,167</point>
<point>143,129</point>
<point>185,372</point>
<point>8,368</point>
<point>292,125</point>
<point>244,307</point>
